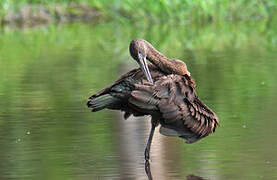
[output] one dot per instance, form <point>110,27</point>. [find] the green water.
<point>47,74</point>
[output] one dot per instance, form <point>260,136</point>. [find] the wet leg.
<point>147,149</point>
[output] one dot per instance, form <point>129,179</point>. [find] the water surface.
<point>46,75</point>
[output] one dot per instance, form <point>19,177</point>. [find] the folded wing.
<point>174,100</point>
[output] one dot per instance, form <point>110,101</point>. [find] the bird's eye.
<point>139,54</point>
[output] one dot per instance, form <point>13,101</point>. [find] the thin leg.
<point>148,170</point>
<point>147,149</point>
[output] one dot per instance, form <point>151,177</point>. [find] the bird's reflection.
<point>149,174</point>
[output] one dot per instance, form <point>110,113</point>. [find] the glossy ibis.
<point>163,89</point>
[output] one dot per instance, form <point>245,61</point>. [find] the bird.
<point>163,89</point>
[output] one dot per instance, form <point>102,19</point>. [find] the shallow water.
<point>47,132</point>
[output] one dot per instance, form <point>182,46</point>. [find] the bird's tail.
<point>100,102</point>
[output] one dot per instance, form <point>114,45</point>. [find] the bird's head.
<point>138,47</point>
<point>138,50</point>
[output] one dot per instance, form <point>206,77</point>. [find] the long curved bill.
<point>143,66</point>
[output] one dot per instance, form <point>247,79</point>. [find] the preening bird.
<point>163,89</point>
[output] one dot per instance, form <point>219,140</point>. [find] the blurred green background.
<point>183,11</point>
<point>48,72</point>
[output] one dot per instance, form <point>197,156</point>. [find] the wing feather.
<point>183,104</point>
<point>175,99</point>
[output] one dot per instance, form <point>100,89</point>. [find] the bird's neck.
<point>161,61</point>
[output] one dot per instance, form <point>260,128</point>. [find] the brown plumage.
<point>166,92</point>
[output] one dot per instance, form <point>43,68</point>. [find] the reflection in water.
<point>130,144</point>
<point>132,137</point>
<point>149,174</point>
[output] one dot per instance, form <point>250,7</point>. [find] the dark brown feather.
<point>182,104</point>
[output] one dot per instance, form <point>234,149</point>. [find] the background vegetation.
<point>184,11</point>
